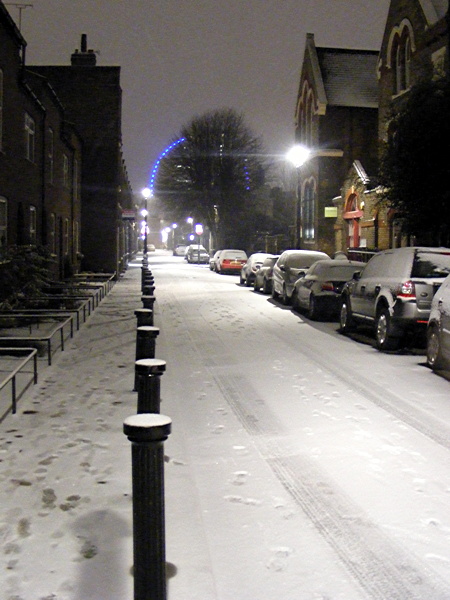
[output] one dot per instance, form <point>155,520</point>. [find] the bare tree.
<point>213,174</point>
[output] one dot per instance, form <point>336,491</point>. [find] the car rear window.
<point>338,272</point>
<point>431,264</point>
<point>234,254</point>
<point>299,261</point>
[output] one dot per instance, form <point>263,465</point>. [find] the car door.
<point>365,289</point>
<point>278,274</point>
<point>443,302</point>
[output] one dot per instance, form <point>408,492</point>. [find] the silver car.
<point>251,267</point>
<point>292,265</point>
<point>438,330</point>
<point>393,294</point>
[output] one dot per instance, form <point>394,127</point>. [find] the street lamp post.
<point>146,192</point>
<point>297,156</point>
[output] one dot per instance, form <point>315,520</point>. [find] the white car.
<point>251,267</point>
<point>213,260</point>
<point>292,265</point>
<point>180,250</point>
<point>438,329</point>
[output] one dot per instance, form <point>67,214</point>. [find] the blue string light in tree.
<point>160,157</point>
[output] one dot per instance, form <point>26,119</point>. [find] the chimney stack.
<point>83,57</point>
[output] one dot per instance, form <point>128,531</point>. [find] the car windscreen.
<point>431,264</point>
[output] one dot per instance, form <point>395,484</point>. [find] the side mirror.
<point>357,275</point>
<point>282,268</point>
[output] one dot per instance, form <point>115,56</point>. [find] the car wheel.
<point>274,292</point>
<point>241,280</point>
<point>346,323</point>
<point>256,287</point>
<point>248,283</point>
<point>383,332</point>
<point>267,287</point>
<point>284,297</point>
<point>294,300</point>
<point>313,310</point>
<point>434,353</point>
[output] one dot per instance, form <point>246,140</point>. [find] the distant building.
<point>92,99</point>
<point>337,118</point>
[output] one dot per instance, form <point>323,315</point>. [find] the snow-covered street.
<point>302,465</point>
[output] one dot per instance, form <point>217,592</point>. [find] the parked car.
<point>193,247</point>
<point>319,291</point>
<point>438,330</point>
<point>393,293</point>
<point>213,260</point>
<point>231,261</point>
<point>180,250</point>
<point>197,256</point>
<point>263,277</point>
<point>251,267</point>
<point>151,248</point>
<point>292,265</point>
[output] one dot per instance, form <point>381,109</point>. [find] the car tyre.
<point>274,293</point>
<point>267,287</point>
<point>313,310</point>
<point>284,297</point>
<point>346,323</point>
<point>434,351</point>
<point>383,332</point>
<point>241,280</point>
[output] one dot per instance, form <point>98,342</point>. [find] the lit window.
<point>308,215</point>
<point>30,134</point>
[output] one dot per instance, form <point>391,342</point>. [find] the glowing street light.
<point>146,193</point>
<point>298,155</point>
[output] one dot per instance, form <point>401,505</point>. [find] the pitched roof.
<point>349,76</point>
<point>434,10</point>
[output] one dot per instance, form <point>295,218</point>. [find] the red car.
<point>231,261</point>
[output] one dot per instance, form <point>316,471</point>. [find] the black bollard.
<point>144,316</point>
<point>148,290</point>
<point>148,301</point>
<point>148,376</point>
<point>147,432</point>
<point>145,345</point>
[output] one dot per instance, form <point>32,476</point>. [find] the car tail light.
<point>327,286</point>
<point>407,290</point>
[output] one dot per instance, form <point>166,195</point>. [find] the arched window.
<point>308,212</point>
<point>399,57</point>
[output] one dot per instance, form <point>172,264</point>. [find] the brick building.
<point>92,98</point>
<point>40,154</point>
<point>414,47</point>
<point>63,180</point>
<point>337,117</point>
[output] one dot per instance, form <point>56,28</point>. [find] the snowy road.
<point>357,440</point>
<point>302,465</point>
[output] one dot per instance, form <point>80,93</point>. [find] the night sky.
<point>181,58</point>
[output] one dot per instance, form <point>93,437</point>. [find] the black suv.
<point>393,293</point>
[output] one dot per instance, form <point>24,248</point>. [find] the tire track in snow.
<point>382,569</point>
<point>378,395</point>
